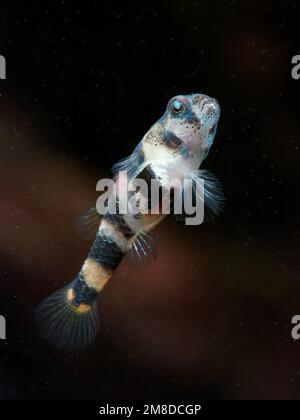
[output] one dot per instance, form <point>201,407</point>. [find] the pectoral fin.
<point>212,197</point>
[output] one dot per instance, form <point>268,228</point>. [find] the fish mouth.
<point>211,107</point>
<point>207,105</point>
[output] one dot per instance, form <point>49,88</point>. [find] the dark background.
<point>211,318</point>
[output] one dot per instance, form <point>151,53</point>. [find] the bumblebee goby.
<point>174,147</point>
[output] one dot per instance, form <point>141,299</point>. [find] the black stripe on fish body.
<point>82,292</point>
<point>106,252</point>
<point>171,140</point>
<point>148,174</point>
<point>120,224</point>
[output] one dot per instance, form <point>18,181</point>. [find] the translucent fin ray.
<point>133,164</point>
<point>87,225</point>
<point>143,249</point>
<point>65,328</point>
<point>214,199</point>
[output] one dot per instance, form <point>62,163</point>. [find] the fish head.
<point>186,131</point>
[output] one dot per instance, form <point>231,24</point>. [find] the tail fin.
<point>66,324</point>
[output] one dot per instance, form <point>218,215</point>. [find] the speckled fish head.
<point>185,133</point>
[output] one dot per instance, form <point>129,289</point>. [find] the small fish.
<point>174,147</point>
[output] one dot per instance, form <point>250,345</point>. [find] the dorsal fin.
<point>133,164</point>
<point>87,224</point>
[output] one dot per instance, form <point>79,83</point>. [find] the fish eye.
<point>177,106</point>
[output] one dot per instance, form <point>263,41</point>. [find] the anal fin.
<point>143,249</point>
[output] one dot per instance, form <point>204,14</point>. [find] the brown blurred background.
<point>211,318</point>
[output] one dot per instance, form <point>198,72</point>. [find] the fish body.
<point>173,148</point>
